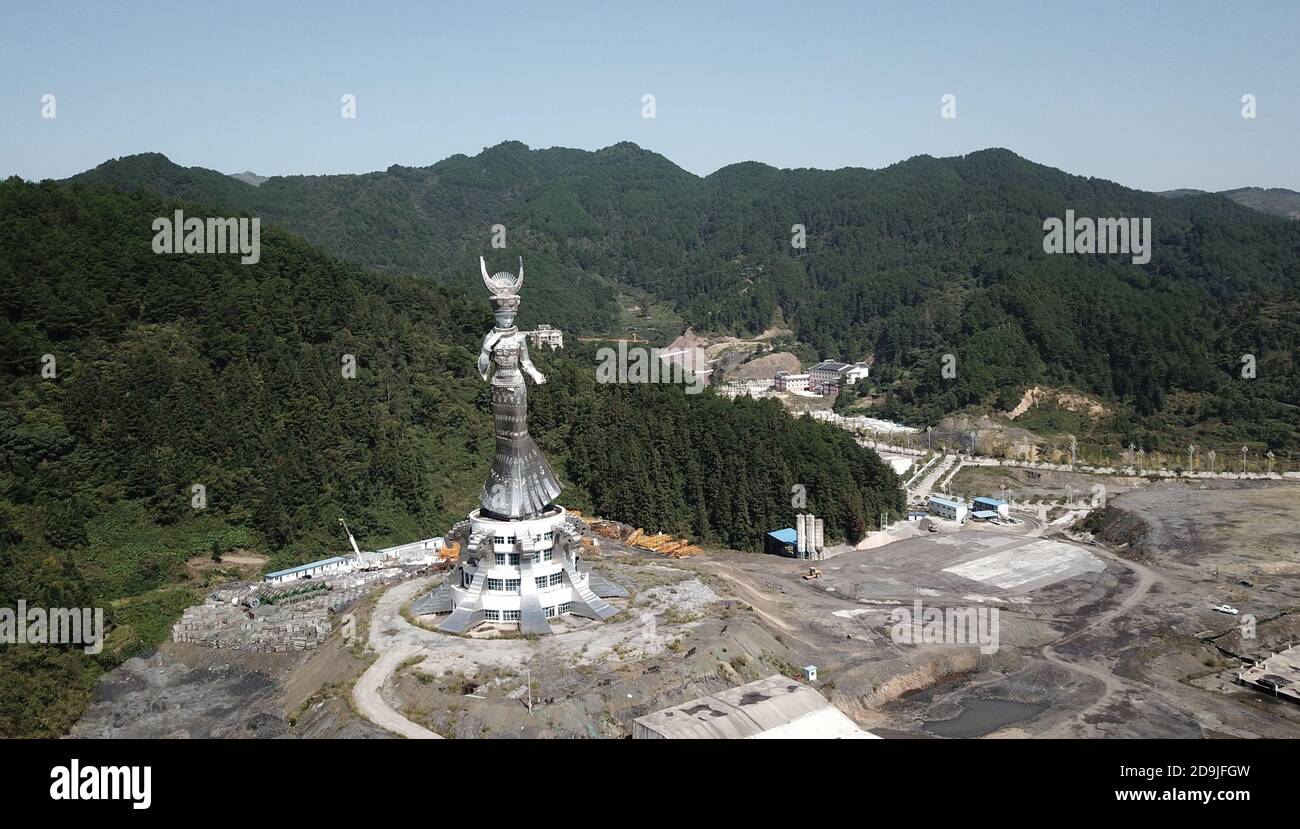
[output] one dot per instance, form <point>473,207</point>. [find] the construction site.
<point>1110,624</point>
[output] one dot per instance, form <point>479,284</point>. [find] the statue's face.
<point>505,319</point>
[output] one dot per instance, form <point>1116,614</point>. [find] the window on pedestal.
<point>512,585</point>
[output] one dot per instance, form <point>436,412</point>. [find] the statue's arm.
<point>527,362</point>
<point>485,354</point>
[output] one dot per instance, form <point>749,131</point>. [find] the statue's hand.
<point>539,378</point>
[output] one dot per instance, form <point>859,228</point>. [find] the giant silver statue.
<point>521,483</point>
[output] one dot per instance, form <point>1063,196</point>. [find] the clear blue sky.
<point>1144,93</point>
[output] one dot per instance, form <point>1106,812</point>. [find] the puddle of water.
<point>984,716</point>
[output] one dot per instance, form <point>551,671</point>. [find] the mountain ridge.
<point>899,264</point>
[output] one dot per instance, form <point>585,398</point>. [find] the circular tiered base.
<point>517,560</point>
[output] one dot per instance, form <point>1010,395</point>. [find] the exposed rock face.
<point>249,178</point>
<point>766,367</point>
<point>1066,400</point>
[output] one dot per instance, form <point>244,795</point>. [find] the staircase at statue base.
<point>441,600</point>
<point>469,613</point>
<point>531,618</point>
<point>584,602</point>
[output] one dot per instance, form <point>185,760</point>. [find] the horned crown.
<point>503,284</point>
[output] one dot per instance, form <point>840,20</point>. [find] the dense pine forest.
<point>902,265</point>
<point>171,371</point>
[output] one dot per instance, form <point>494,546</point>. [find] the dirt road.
<point>1110,682</point>
<point>386,637</point>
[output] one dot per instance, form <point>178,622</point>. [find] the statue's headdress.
<point>504,286</point>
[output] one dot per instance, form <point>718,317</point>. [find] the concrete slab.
<point>1029,566</point>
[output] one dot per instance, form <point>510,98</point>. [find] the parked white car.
<point>1227,608</point>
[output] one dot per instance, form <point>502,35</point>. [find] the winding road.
<point>395,645</point>
<point>1110,682</point>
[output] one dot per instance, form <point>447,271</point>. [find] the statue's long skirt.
<point>521,483</point>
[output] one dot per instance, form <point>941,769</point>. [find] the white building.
<point>546,335</point>
<point>992,505</point>
<point>416,553</point>
<point>311,570</point>
<point>947,508</point>
<point>830,373</point>
<point>785,381</point>
<point>522,572</point>
<point>773,708</point>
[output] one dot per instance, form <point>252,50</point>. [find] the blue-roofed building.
<point>781,542</point>
<point>306,571</point>
<point>983,515</point>
<point>946,508</point>
<point>992,505</point>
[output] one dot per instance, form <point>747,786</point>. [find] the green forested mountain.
<point>904,264</point>
<point>177,370</point>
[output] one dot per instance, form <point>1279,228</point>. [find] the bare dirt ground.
<point>191,691</point>
<point>1112,637</point>
<point>1032,484</point>
<point>237,564</point>
<point>765,367</point>
<point>676,637</point>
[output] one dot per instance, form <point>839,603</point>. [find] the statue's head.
<point>504,309</point>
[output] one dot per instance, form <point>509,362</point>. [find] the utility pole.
<point>1244,450</point>
<point>1191,452</point>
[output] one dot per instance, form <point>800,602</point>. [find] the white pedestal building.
<point>522,572</point>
